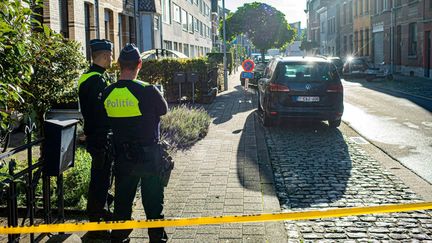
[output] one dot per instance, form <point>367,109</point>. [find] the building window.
<point>176,17</point>
<point>196,25</point>
<point>367,42</point>
<point>350,16</point>
<point>186,49</point>
<point>190,23</point>
<point>412,39</point>
<point>345,14</point>
<point>361,43</point>
<point>397,3</point>
<point>88,26</point>
<point>166,11</point>
<point>355,7</point>
<point>366,9</point>
<point>156,23</point>
<point>64,18</point>
<point>351,42</point>
<point>355,42</point>
<point>122,24</point>
<point>196,2</point>
<point>345,45</point>
<point>175,46</point>
<point>184,20</point>
<point>201,28</point>
<point>132,30</point>
<point>385,5</point>
<point>361,7</point>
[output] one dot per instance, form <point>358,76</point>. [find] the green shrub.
<point>77,179</point>
<point>183,126</point>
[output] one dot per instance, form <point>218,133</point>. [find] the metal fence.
<point>28,179</point>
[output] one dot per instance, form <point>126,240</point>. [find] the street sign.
<point>248,65</point>
<point>247,75</point>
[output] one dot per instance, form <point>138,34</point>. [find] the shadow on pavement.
<point>311,162</point>
<point>405,90</point>
<point>225,105</point>
<point>252,169</point>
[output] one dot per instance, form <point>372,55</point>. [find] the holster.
<point>167,162</point>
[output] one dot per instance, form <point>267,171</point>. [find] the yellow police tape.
<point>133,224</point>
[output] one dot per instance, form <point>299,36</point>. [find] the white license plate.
<point>308,99</point>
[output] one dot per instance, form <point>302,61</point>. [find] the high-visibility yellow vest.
<point>122,103</point>
<point>86,76</point>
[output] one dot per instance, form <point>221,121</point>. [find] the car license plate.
<point>308,98</point>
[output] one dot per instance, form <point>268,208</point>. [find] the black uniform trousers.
<point>100,178</point>
<point>141,168</point>
<point>152,195</point>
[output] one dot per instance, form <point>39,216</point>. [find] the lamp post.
<point>224,47</point>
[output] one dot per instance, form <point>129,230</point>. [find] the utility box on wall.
<point>59,147</point>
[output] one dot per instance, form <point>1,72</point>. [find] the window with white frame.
<point>196,25</point>
<point>190,23</point>
<point>176,17</point>
<point>166,11</point>
<point>184,20</point>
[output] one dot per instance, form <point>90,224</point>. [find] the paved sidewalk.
<point>226,173</point>
<point>416,86</point>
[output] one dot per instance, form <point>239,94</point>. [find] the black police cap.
<point>101,45</point>
<point>129,53</point>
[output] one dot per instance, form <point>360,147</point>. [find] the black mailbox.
<point>59,148</point>
<point>192,77</point>
<point>179,77</point>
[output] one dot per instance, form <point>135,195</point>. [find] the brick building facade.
<point>84,20</point>
<point>394,32</point>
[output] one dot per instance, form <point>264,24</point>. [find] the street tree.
<point>307,45</point>
<point>263,24</point>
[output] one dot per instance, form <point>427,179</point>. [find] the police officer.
<point>134,108</point>
<point>90,87</point>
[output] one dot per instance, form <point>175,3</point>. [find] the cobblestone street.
<point>317,167</point>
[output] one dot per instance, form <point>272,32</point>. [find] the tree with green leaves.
<point>15,55</point>
<point>307,46</point>
<point>57,64</point>
<point>263,24</point>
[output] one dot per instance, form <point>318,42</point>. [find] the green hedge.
<point>216,58</point>
<point>162,72</point>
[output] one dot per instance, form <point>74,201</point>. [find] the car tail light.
<point>335,88</point>
<point>278,88</point>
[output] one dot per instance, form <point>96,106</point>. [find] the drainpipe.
<point>391,41</point>
<point>97,19</point>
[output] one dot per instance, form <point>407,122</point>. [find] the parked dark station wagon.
<point>306,88</point>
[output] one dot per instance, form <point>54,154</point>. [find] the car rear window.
<point>306,72</point>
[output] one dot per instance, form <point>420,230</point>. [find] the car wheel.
<point>334,123</point>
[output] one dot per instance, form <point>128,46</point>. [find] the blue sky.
<point>293,9</point>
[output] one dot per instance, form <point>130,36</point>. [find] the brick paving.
<point>318,168</point>
<point>223,174</point>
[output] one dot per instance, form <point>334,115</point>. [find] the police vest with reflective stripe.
<point>86,76</point>
<point>122,103</point>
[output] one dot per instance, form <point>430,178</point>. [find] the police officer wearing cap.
<point>134,108</point>
<point>90,87</point>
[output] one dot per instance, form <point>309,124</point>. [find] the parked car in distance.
<point>305,88</point>
<point>378,71</point>
<point>355,67</point>
<point>338,63</point>
<point>258,73</point>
